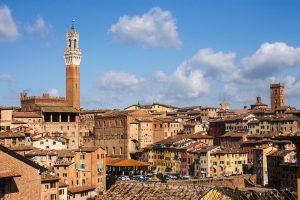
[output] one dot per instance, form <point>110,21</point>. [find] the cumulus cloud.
<point>8,27</point>
<point>210,74</point>
<point>119,81</point>
<point>156,28</point>
<point>53,92</point>
<point>40,27</point>
<point>270,59</point>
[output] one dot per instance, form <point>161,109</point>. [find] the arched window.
<point>69,43</point>
<point>75,43</point>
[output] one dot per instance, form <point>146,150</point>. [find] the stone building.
<point>60,114</point>
<point>6,117</point>
<point>20,178</point>
<point>123,133</point>
<point>227,162</point>
<point>274,159</point>
<point>165,127</point>
<point>49,187</point>
<point>277,95</point>
<point>12,139</point>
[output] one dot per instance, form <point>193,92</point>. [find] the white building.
<point>50,143</point>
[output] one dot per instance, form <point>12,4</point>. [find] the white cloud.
<point>156,28</point>
<point>5,77</point>
<point>214,60</point>
<point>160,76</point>
<point>270,59</point>
<point>41,27</point>
<point>53,92</point>
<point>8,28</point>
<point>119,81</point>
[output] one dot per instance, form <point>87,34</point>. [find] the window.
<point>82,166</point>
<point>41,142</point>
<point>61,191</point>
<point>54,143</point>
<point>82,157</point>
<point>53,197</point>
<point>52,185</point>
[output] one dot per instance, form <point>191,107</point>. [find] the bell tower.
<point>72,55</point>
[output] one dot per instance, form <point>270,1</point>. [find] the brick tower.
<point>72,55</point>
<point>277,95</point>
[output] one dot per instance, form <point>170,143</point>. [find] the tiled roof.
<point>21,148</point>
<point>10,134</point>
<point>100,111</point>
<point>124,162</point>
<point>21,158</point>
<point>8,174</point>
<point>154,190</point>
<point>234,134</point>
<point>60,109</point>
<point>280,153</point>
<point>87,148</point>
<point>26,115</point>
<point>49,178</point>
<point>175,138</point>
<point>83,188</point>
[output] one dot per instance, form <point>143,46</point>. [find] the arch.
<point>69,43</point>
<point>75,43</point>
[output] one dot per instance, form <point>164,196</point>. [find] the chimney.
<point>258,99</point>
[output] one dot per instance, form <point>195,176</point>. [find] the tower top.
<point>73,25</point>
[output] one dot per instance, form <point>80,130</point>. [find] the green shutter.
<point>76,166</point>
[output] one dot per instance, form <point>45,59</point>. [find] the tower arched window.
<point>69,43</point>
<point>75,43</point>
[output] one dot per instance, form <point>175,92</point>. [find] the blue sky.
<point>175,52</point>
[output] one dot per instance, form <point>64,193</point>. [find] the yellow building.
<point>227,162</point>
<point>163,160</point>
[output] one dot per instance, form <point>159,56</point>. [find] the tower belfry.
<point>72,55</point>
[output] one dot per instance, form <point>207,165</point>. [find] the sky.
<point>183,53</point>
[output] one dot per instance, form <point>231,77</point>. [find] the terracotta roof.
<point>18,122</point>
<point>49,178</point>
<point>234,134</point>
<point>60,109</point>
<point>124,113</point>
<point>166,119</point>
<point>42,152</point>
<point>280,153</point>
<point>209,148</point>
<point>172,139</point>
<point>9,108</point>
<point>87,148</point>
<point>62,184</point>
<point>229,151</point>
<point>10,134</point>
<point>22,158</point>
<point>22,148</point>
<point>8,174</point>
<point>83,188</point>
<point>100,111</point>
<point>26,115</point>
<point>124,162</point>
